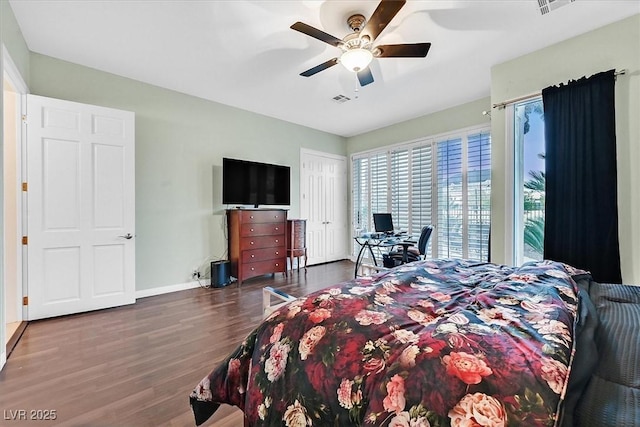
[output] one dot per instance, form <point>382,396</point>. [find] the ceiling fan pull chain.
<point>357,85</point>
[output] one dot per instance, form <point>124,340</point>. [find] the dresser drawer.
<point>247,243</point>
<point>262,267</point>
<point>257,242</point>
<point>261,229</point>
<point>263,216</point>
<point>256,255</point>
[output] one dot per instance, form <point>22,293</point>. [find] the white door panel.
<point>109,182</point>
<point>312,211</point>
<point>109,263</point>
<point>61,178</point>
<point>324,205</point>
<point>80,205</point>
<point>61,275</point>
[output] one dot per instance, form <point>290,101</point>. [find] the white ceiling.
<point>243,53</point>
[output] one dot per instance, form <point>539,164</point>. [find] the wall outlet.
<point>195,274</point>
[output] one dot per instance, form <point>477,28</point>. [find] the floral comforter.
<point>432,343</point>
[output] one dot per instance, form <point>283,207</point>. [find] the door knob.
<point>127,236</point>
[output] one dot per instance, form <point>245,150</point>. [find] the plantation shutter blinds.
<point>478,194</point>
<point>400,189</point>
<point>360,193</point>
<point>450,204</point>
<point>360,197</point>
<point>379,185</point>
<point>421,189</point>
<point>444,182</point>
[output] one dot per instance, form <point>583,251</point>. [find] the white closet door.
<point>323,203</point>
<point>81,207</point>
<point>336,209</point>
<point>312,206</point>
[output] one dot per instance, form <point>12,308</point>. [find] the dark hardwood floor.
<point>136,365</point>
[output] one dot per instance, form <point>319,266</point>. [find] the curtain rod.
<point>531,95</point>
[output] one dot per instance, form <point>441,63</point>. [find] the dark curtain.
<point>581,224</point>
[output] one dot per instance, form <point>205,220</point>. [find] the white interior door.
<point>80,207</point>
<point>324,205</point>
<point>336,207</point>
<point>312,206</point>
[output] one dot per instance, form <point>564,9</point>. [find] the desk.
<point>369,241</point>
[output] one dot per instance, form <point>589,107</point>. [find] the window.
<point>441,181</point>
<point>529,182</point>
<point>450,209</point>
<point>379,183</point>
<point>479,195</point>
<point>421,203</point>
<point>400,189</point>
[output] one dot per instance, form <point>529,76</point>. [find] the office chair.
<point>413,253</point>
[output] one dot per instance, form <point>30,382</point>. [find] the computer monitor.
<point>383,222</point>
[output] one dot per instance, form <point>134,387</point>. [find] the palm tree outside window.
<point>529,191</point>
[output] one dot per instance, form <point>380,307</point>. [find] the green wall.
<point>11,37</point>
<point>613,46</point>
<point>180,143</point>
<point>461,116</point>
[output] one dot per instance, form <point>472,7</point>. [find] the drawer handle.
<point>277,265</point>
<point>277,253</point>
<point>277,228</point>
<point>276,240</point>
<point>252,268</point>
<point>253,256</point>
<point>252,243</point>
<point>251,216</point>
<point>251,229</point>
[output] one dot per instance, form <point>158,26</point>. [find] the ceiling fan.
<point>358,48</point>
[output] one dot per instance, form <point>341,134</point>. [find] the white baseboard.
<point>166,289</point>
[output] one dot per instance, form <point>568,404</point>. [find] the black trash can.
<point>387,261</point>
<point>219,274</point>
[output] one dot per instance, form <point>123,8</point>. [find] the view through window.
<point>530,180</point>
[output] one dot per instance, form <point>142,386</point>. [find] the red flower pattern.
<point>395,400</point>
<point>469,368</point>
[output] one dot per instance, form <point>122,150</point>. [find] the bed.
<point>431,343</point>
<point>612,395</point>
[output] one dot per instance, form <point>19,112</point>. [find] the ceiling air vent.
<point>341,99</point>
<point>547,6</point>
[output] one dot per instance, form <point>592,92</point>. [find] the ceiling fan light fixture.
<point>356,59</point>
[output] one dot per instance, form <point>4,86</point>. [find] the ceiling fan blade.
<point>383,14</point>
<point>316,33</point>
<point>311,71</point>
<point>409,50</point>
<point>365,77</point>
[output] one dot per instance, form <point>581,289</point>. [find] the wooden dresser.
<point>297,241</point>
<point>257,242</point>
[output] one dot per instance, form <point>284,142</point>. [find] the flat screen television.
<point>253,183</point>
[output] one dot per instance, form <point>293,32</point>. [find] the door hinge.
<point>25,300</point>
<point>24,186</point>
<point>25,240</point>
<point>24,118</point>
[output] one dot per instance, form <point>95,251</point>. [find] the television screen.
<point>253,183</point>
